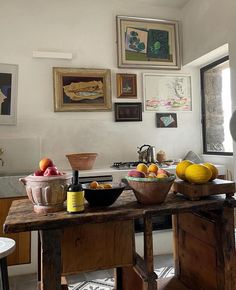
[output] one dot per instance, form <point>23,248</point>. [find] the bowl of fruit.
<point>47,187</point>
<point>150,184</point>
<point>102,194</point>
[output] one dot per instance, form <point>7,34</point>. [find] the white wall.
<point>208,26</point>
<point>88,30</point>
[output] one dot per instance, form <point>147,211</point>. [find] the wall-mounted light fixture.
<point>52,54</point>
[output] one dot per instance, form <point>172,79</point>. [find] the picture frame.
<point>167,92</point>
<point>128,112</point>
<point>126,85</point>
<point>81,89</point>
<point>8,93</point>
<point>148,43</point>
<point>166,120</point>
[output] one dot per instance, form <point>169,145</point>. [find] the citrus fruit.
<point>213,169</point>
<point>142,167</point>
<point>107,185</point>
<point>181,167</point>
<point>153,168</point>
<point>94,184</point>
<point>198,173</point>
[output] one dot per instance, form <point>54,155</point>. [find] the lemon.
<point>142,167</point>
<point>198,173</point>
<point>213,169</point>
<point>181,167</point>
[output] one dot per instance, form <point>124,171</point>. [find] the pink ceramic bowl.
<point>47,193</point>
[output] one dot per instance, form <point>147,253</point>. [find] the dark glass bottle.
<point>75,195</point>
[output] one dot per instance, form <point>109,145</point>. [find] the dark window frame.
<point>202,71</point>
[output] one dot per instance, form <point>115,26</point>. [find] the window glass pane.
<point>216,108</point>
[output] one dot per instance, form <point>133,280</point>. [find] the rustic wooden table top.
<point>21,216</point>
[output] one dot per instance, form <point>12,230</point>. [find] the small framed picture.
<point>8,93</point>
<point>126,85</point>
<point>166,120</point>
<point>128,112</point>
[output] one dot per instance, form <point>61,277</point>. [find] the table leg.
<point>148,252</point>
<point>4,273</point>
<point>50,259</point>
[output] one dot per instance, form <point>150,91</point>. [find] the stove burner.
<point>125,165</point>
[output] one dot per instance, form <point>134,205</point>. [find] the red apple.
<point>38,173</point>
<point>51,171</point>
<point>45,163</point>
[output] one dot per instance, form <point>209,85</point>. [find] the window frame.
<point>203,104</point>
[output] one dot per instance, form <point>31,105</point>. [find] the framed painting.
<point>77,89</point>
<point>167,92</point>
<point>126,85</point>
<point>128,112</point>
<point>148,43</point>
<point>166,120</point>
<point>8,93</point>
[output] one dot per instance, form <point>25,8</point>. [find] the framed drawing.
<point>128,112</point>
<point>166,120</point>
<point>77,89</point>
<point>126,85</point>
<point>167,92</point>
<point>8,93</point>
<point>148,43</point>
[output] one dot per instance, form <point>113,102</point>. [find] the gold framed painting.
<point>80,89</point>
<point>126,85</point>
<point>148,43</point>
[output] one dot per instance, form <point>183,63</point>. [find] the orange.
<point>94,184</point>
<point>198,173</point>
<point>181,167</point>
<point>153,168</point>
<point>142,167</point>
<point>213,169</point>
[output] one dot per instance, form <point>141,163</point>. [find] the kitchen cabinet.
<point>21,255</point>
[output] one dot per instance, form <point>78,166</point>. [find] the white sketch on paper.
<point>167,92</point>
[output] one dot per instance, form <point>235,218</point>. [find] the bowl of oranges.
<point>102,194</point>
<point>150,183</point>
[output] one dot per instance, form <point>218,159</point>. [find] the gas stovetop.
<point>133,164</point>
<point>125,165</point>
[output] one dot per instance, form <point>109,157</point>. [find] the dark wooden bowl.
<point>103,197</point>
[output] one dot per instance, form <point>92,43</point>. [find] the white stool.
<point>7,246</point>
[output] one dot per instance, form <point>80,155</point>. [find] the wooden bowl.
<point>103,197</point>
<point>47,193</point>
<point>150,190</point>
<point>82,161</point>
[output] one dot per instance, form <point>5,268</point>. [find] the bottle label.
<point>75,201</point>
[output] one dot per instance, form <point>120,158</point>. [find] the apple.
<point>52,170</point>
<point>136,173</point>
<point>38,173</point>
<point>162,175</point>
<point>45,163</point>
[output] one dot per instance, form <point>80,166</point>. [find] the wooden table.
<point>201,228</point>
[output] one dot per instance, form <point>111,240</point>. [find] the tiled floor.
<point>29,282</point>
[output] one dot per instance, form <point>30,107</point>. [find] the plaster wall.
<point>208,34</point>
<point>87,29</point>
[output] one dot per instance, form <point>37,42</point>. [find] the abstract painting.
<point>166,120</point>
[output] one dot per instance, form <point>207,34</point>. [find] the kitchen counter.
<point>10,186</point>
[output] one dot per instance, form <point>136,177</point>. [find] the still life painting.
<point>82,89</point>
<point>167,92</point>
<point>148,43</point>
<point>126,85</point>
<point>8,93</point>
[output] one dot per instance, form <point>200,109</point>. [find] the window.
<point>216,108</point>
